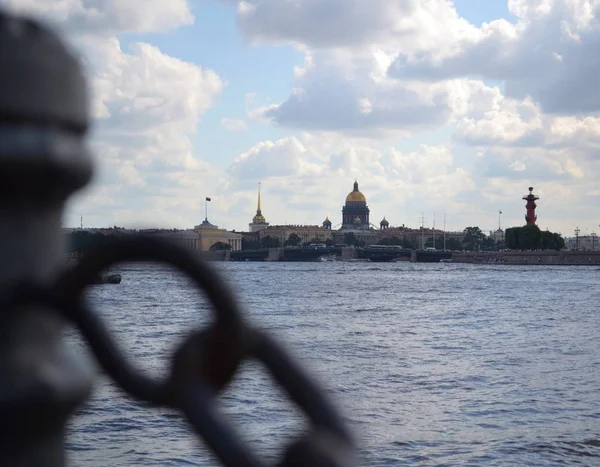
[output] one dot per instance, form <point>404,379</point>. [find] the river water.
<point>432,364</point>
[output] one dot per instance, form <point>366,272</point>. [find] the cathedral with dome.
<point>355,213</point>
<point>355,225</point>
<point>354,229</point>
<point>355,218</point>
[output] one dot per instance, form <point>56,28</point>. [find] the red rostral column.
<point>530,217</point>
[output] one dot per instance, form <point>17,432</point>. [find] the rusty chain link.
<point>204,363</point>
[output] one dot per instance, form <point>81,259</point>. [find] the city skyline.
<point>207,99</point>
<point>338,225</point>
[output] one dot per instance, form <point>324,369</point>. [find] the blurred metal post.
<point>43,160</point>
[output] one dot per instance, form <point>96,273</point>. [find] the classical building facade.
<point>210,234</point>
<point>258,221</point>
<point>202,237</point>
<point>188,239</point>
<point>307,233</point>
<point>583,243</point>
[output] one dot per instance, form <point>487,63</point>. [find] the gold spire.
<point>258,208</point>
<point>259,218</point>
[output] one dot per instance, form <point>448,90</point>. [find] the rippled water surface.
<point>432,364</point>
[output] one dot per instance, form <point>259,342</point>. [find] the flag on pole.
<point>207,198</point>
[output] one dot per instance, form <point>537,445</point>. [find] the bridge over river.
<point>374,254</point>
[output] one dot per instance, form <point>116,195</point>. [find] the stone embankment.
<point>568,258</point>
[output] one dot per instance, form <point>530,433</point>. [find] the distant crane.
<point>444,231</point>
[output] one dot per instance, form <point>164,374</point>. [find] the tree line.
<point>273,242</point>
<point>473,240</point>
<point>82,241</point>
<point>530,237</point>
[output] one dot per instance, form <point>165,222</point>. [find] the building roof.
<point>355,196</point>
<point>206,225</point>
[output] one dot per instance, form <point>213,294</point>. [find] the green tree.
<point>530,237</point>
<point>81,241</point>
<point>250,243</point>
<point>473,238</point>
<point>390,241</point>
<point>404,242</point>
<point>559,242</point>
<point>293,240</point>
<point>453,244</point>
<point>552,241</point>
<point>219,246</point>
<point>270,242</point>
<point>350,239</point>
<point>511,238</point>
<point>409,243</point>
<point>488,243</point>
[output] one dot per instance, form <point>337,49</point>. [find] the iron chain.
<point>204,363</point>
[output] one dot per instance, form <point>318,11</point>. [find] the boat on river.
<point>327,258</point>
<point>108,279</point>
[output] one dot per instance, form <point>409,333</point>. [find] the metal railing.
<point>43,160</point>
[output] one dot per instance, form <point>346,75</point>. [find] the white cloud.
<point>108,17</point>
<point>352,24</point>
<point>524,55</point>
<point>335,104</point>
<point>348,46</point>
<point>152,104</point>
<point>146,105</point>
<point>287,157</point>
<point>233,124</point>
<point>146,87</point>
<point>306,178</point>
<point>519,98</point>
<point>517,166</point>
<point>505,122</point>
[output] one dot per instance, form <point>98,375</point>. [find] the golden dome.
<point>356,196</point>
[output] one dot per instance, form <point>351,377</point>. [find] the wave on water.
<point>431,364</point>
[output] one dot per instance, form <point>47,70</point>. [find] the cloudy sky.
<point>433,105</point>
